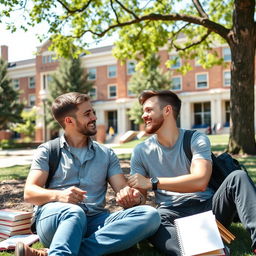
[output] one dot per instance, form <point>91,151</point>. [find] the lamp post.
<point>43,97</point>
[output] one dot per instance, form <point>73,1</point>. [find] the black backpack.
<point>54,158</point>
<point>222,165</point>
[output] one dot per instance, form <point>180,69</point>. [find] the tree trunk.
<point>242,45</point>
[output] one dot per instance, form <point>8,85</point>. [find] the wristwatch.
<point>154,181</point>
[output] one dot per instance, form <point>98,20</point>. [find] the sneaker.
<point>23,250</point>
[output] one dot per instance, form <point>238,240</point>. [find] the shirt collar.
<point>63,142</point>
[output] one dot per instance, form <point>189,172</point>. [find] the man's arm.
<point>196,180</point>
<point>125,195</point>
<point>35,193</point>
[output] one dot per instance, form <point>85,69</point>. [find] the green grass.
<point>240,246</point>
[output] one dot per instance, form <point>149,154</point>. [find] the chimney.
<point>4,52</point>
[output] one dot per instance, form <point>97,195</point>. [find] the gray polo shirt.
<point>152,159</point>
<point>90,172</point>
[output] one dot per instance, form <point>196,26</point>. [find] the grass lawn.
<point>239,247</point>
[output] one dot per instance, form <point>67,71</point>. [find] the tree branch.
<point>200,9</point>
<point>74,10</point>
<point>127,10</point>
<point>112,7</point>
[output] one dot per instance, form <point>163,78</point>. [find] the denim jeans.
<point>237,194</point>
<point>67,230</point>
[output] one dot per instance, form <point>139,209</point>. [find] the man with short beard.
<point>181,187</point>
<point>71,218</point>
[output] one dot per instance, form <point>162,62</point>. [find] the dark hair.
<point>67,105</point>
<point>165,98</point>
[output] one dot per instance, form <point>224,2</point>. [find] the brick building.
<point>205,93</point>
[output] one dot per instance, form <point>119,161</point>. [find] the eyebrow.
<point>88,111</point>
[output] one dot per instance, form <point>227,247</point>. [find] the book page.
<point>198,233</point>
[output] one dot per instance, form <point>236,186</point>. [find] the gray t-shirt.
<point>90,172</point>
<point>152,159</point>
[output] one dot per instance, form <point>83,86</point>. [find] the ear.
<point>68,120</point>
<point>168,110</point>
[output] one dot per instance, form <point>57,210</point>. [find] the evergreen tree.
<point>10,106</point>
<point>69,77</point>
<point>151,77</point>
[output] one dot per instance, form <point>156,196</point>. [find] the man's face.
<point>86,119</point>
<point>152,115</point>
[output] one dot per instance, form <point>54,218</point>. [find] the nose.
<point>144,115</point>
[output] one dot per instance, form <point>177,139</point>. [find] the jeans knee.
<point>75,212</point>
<point>151,216</point>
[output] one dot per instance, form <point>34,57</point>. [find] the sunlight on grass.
<point>18,172</point>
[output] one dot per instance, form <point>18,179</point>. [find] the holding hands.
<point>129,197</point>
<point>139,181</point>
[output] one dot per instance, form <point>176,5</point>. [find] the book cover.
<point>15,223</point>
<point>13,215</point>
<point>14,228</point>
<point>198,234</point>
<point>11,242</point>
<point>6,233</point>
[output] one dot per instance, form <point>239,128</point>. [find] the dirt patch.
<point>11,194</point>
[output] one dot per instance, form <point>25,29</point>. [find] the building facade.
<point>205,93</point>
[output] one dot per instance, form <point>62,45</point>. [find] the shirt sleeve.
<point>41,158</point>
<point>114,165</point>
<point>201,146</point>
<point>137,165</point>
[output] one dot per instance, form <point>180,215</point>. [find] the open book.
<point>10,243</point>
<point>199,235</point>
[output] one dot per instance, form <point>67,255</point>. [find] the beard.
<point>88,130</point>
<point>154,125</point>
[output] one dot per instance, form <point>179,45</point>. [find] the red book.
<point>6,233</point>
<point>13,215</point>
<point>13,228</point>
<point>15,223</point>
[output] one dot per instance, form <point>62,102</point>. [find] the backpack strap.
<point>54,158</point>
<point>187,143</point>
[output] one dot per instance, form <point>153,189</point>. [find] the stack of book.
<point>14,222</point>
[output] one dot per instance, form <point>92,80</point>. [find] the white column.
<point>185,115</point>
<point>121,120</point>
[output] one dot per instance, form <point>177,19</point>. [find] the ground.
<point>11,194</point>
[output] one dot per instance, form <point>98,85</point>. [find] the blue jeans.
<point>236,195</point>
<point>67,230</point>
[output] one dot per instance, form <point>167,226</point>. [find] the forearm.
<point>38,196</point>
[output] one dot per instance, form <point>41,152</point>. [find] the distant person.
<point>214,129</point>
<point>71,218</point>
<point>181,187</point>
<point>111,131</point>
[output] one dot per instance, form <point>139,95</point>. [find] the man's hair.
<point>165,97</point>
<point>67,105</point>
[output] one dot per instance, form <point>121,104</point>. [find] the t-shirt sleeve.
<point>114,165</point>
<point>41,158</point>
<point>137,165</point>
<point>200,146</point>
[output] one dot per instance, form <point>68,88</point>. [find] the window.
<point>176,61</point>
<point>93,93</point>
<point>201,81</point>
<point>31,82</point>
<point>92,74</point>
<point>46,80</point>
<point>227,114</point>
<point>32,100</point>
<point>226,78</point>
<point>226,54</point>
<point>49,59</point>
<point>202,115</point>
<point>176,83</point>
<point>112,71</point>
<point>112,91</point>
<point>16,84</point>
<point>131,67</point>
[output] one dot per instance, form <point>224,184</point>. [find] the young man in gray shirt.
<point>70,217</point>
<point>181,188</point>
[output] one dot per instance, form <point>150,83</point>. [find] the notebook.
<point>199,234</point>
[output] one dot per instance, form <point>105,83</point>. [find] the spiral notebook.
<point>199,235</point>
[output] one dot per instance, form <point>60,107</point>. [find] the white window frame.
<point>94,96</point>
<point>179,77</point>
<point>226,57</point>
<point>109,86</point>
<point>16,84</point>
<point>29,82</point>
<point>109,71</point>
<point>128,69</point>
<point>29,100</point>
<point>89,72</point>
<point>207,80</point>
<point>178,64</point>
<point>224,79</point>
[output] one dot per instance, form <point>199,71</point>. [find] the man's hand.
<point>71,195</point>
<point>139,181</point>
<point>128,197</point>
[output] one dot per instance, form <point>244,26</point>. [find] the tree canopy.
<point>144,26</point>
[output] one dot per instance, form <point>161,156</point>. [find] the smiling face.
<point>85,119</point>
<point>152,115</point>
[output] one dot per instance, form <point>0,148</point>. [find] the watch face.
<point>154,180</point>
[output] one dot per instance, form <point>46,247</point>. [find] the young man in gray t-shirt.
<point>181,188</point>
